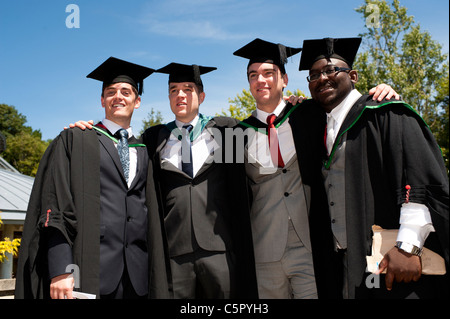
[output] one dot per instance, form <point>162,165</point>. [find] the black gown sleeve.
<point>59,254</point>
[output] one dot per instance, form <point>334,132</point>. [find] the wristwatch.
<point>409,248</point>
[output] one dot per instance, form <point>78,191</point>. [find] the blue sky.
<point>43,64</point>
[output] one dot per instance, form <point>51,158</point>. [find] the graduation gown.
<point>66,197</point>
<point>389,146</point>
<point>218,220</point>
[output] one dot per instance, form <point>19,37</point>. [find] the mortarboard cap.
<point>185,73</point>
<point>344,49</point>
<point>114,70</point>
<point>260,51</point>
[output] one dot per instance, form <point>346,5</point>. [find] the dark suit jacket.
<point>204,210</point>
<point>194,208</point>
<point>123,231</point>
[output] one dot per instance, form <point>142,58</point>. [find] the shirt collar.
<point>340,112</point>
<point>181,124</point>
<point>262,116</point>
<point>114,127</point>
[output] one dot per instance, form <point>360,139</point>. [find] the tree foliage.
<point>8,246</point>
<point>153,118</point>
<point>241,106</point>
<point>399,52</point>
<point>24,146</point>
<point>441,125</point>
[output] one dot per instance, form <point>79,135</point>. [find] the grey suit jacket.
<point>277,198</point>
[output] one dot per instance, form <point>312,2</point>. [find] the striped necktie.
<point>186,151</point>
<point>124,152</point>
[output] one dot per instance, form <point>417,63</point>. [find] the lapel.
<point>141,160</point>
<point>111,150</point>
<point>164,136</point>
<point>353,115</point>
<point>210,159</point>
<point>298,134</point>
<point>306,132</point>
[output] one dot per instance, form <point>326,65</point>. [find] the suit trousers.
<point>124,289</point>
<point>202,274</point>
<point>292,277</point>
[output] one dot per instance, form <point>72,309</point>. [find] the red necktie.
<point>273,142</point>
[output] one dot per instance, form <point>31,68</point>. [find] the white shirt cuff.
<point>415,224</point>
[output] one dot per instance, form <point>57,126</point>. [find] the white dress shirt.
<point>113,128</point>
<point>415,219</point>
<point>337,116</point>
<point>258,146</point>
<point>201,147</point>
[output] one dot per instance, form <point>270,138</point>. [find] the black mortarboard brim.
<point>260,51</point>
<point>114,70</point>
<point>185,72</point>
<point>344,49</point>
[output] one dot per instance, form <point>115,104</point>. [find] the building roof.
<point>15,190</point>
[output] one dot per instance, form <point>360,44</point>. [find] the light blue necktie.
<point>186,151</point>
<point>124,152</point>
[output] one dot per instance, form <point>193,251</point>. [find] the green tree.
<point>442,129</point>
<point>241,106</point>
<point>398,52</point>
<point>24,146</point>
<point>24,151</point>
<point>11,121</point>
<point>153,118</point>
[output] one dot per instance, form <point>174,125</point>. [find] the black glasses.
<point>330,71</point>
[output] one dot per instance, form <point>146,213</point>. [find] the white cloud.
<point>189,28</point>
<point>200,19</point>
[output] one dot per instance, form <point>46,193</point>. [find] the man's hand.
<point>400,266</point>
<point>294,99</point>
<point>82,125</point>
<point>382,91</point>
<point>61,287</point>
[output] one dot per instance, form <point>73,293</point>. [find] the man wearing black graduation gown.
<point>382,166</point>
<point>206,219</point>
<point>88,213</point>
<point>286,191</point>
